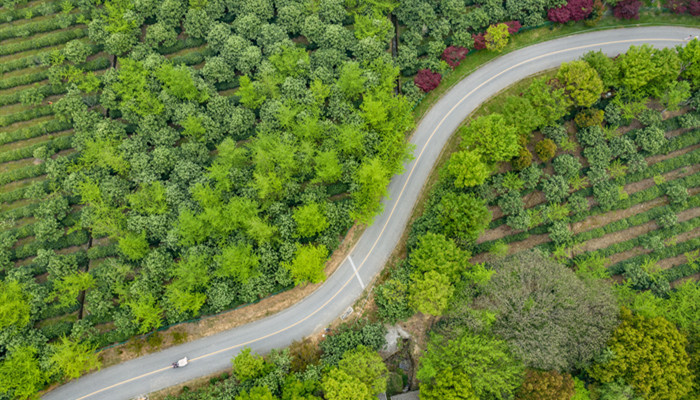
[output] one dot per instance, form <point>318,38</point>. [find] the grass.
<point>534,36</point>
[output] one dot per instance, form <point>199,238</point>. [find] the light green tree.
<point>468,168</point>
<point>497,37</point>
<point>338,385</point>
<point>581,82</point>
<point>21,376</point>
<point>430,293</point>
<point>492,136</point>
<point>308,264</point>
<point>310,219</point>
<point>248,366</point>
<point>367,366</point>
<point>14,305</point>
<point>70,359</point>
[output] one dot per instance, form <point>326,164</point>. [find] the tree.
<point>146,312</point>
<point>550,103</point>
<point>237,261</point>
<point>463,216</point>
<point>493,136</point>
<point>15,310</point>
<point>690,61</point>
<point>134,246</point>
<point>70,358</point>
<point>339,385</point>
<point>468,367</point>
<point>627,9</point>
<point>453,55</point>
<point>371,179</point>
<point>555,189</point>
<point>67,288</point>
<point>581,82</point>
<point>308,264</point>
<point>549,317</point>
<point>567,166</point>
<point>573,10</point>
<point>497,37</point>
<point>549,385</point>
<point>430,292</point>
<point>608,70</point>
<point>367,366</point>
<point>545,149</point>
<point>21,376</point>
<point>247,366</point>
<point>427,80</point>
<point>351,81</point>
<point>468,168</point>
<point>649,354</point>
<point>256,393</point>
<point>310,219</point>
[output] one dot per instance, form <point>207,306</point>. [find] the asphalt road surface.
<point>211,354</point>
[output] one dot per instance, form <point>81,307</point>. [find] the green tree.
<point>21,376</point>
<point>256,393</point>
<point>649,354</point>
<point>367,366</point>
<point>352,80</point>
<point>308,264</point>
<point>70,359</point>
<point>134,246</point>
<point>550,103</point>
<point>15,310</point>
<point>310,219</point>
<point>581,82</point>
<point>146,312</point>
<point>237,261</point>
<point>67,288</point>
<point>497,37</point>
<point>248,366</point>
<point>560,322</point>
<point>339,385</point>
<point>468,367</point>
<point>493,136</point>
<point>690,61</point>
<point>430,293</point>
<point>468,168</point>
<point>435,252</point>
<point>371,179</point>
<point>463,216</point>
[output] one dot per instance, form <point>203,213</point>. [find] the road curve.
<point>211,354</point>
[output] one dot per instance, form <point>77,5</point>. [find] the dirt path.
<point>665,263</point>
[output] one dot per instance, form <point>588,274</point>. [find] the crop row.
<point>26,79</point>
<point>55,144</point>
<point>30,171</point>
<point>660,254</point>
<point>683,270</point>
<point>40,129</point>
<point>44,41</point>
<point>636,198</point>
<point>33,28</point>
<point>26,115</point>
<point>75,238</point>
<point>19,212</point>
<point>45,8</point>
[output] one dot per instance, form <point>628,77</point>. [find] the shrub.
<point>555,188</point>
<point>573,10</point>
<point>511,203</point>
<point>613,114</point>
<point>453,55</point>
<point>513,26</point>
<point>523,160</point>
<point>520,221</point>
<point>427,80</point>
<point>676,192</point>
<point>530,176</point>
<point>627,9</point>
<point>549,385</point>
<point>479,41</point>
<point>598,156</point>
<point>566,165</point>
<point>649,117</point>
<point>578,204</point>
<point>463,216</point>
<point>591,136</point>
<point>607,194</point>
<point>545,149</point>
<point>589,117</point>
<point>689,121</point>
<point>560,233</point>
<point>556,133</point>
<point>667,219</point>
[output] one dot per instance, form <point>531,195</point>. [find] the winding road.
<point>211,354</point>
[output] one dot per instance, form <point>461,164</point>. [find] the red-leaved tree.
<point>479,41</point>
<point>574,10</point>
<point>684,6</point>
<point>453,55</point>
<point>513,27</point>
<point>427,80</point>
<point>627,9</point>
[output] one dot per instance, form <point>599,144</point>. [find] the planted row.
<point>44,41</point>
<point>30,171</point>
<point>53,145</point>
<point>36,112</point>
<point>33,28</point>
<point>40,129</point>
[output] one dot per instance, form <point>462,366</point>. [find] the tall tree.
<point>70,358</point>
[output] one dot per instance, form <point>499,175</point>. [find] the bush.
<point>555,189</point>
<point>560,233</point>
<point>598,156</point>
<point>676,192</point>
<point>591,136</point>
<point>545,149</point>
<point>649,117</point>
<point>566,165</point>
<point>530,176</point>
<point>627,9</point>
<point>549,385</point>
<point>523,160</point>
<point>689,121</point>
<point>573,10</point>
<point>453,55</point>
<point>511,203</point>
<point>607,194</point>
<point>667,219</point>
<point>589,117</point>
<point>427,80</point>
<point>520,221</point>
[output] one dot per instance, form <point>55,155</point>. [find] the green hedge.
<point>19,212</point>
<point>13,195</point>
<point>40,129</point>
<point>45,41</point>
<point>33,28</point>
<point>76,238</point>
<point>30,171</point>
<point>57,144</point>
<point>13,14</point>
<point>35,112</point>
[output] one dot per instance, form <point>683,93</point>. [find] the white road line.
<point>356,274</point>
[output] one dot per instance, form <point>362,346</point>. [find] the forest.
<point>167,160</point>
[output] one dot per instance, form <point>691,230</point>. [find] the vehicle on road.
<point>180,363</point>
